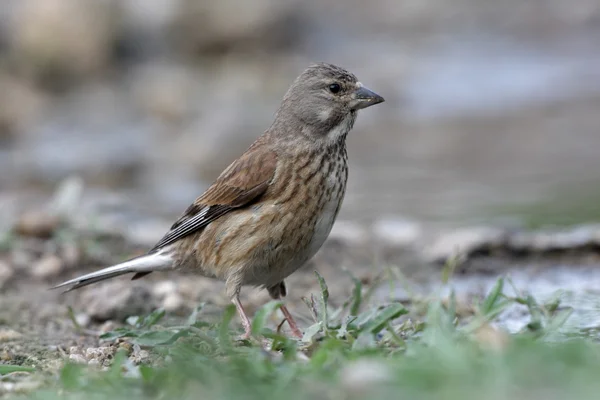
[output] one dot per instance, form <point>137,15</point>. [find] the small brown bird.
<point>272,208</point>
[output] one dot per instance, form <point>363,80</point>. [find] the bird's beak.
<point>363,98</point>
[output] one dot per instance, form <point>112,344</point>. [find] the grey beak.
<point>366,98</point>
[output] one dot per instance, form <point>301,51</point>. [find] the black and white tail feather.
<point>160,258</point>
<point>142,265</point>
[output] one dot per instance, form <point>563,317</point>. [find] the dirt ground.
<point>37,327</point>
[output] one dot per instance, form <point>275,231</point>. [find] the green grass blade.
<point>381,319</point>
<point>324,300</point>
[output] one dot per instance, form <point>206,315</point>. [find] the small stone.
<point>74,350</point>
<point>102,354</point>
<point>107,326</point>
<point>77,359</point>
<point>143,355</point>
<point>6,335</point>
<point>94,363</point>
<point>7,387</point>
<point>48,266</point>
<point>117,300</point>
<point>92,352</point>
<point>140,357</point>
<point>37,223</point>
<point>173,302</point>
<point>82,320</point>
<point>491,338</point>
<point>360,375</point>
<point>164,288</point>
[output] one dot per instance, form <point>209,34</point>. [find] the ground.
<point>377,322</point>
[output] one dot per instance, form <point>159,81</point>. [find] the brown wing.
<point>242,182</point>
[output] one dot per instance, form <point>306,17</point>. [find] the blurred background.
<point>492,106</point>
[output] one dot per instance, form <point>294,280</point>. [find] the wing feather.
<point>242,183</point>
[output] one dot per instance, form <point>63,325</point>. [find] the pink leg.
<point>245,320</point>
<point>293,326</point>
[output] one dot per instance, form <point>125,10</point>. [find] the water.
<point>575,286</point>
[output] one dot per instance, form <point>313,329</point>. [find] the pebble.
<point>48,266</point>
<point>173,302</point>
<point>107,326</point>
<point>140,357</point>
<point>7,335</point>
<point>94,363</point>
<point>82,320</point>
<point>77,359</point>
<point>117,300</point>
<point>99,353</point>
<point>7,387</point>
<point>37,223</point>
<point>492,338</point>
<point>362,374</point>
<point>164,288</point>
<point>74,350</point>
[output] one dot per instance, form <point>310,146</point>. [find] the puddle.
<point>576,286</point>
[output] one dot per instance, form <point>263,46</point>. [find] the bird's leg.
<point>277,292</point>
<point>293,326</point>
<point>245,320</point>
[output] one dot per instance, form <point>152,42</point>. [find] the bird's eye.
<point>334,88</point>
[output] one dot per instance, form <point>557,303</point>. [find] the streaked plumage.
<point>272,208</point>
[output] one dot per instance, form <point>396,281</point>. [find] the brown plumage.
<point>272,208</point>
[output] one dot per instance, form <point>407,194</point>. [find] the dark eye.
<point>334,88</point>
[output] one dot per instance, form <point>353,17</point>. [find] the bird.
<point>271,209</point>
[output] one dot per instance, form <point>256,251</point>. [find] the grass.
<point>388,351</point>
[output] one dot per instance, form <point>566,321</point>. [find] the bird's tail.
<point>141,265</point>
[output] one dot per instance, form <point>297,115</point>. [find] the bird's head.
<point>325,99</point>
